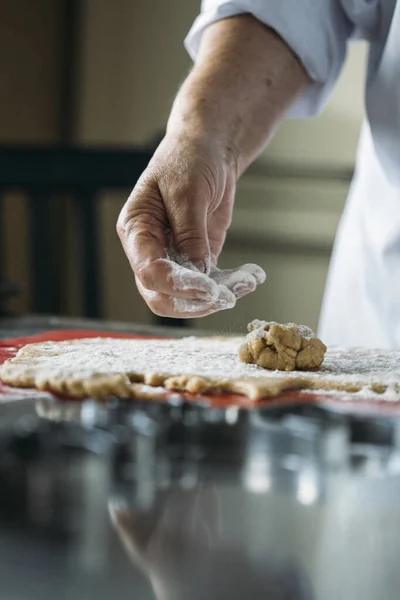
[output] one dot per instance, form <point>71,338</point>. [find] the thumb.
<point>188,223</point>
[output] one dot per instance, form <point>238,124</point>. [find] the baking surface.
<point>9,348</point>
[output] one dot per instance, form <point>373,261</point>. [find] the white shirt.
<point>362,299</point>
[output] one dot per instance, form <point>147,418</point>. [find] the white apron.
<point>362,299</point>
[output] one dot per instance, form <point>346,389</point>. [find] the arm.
<point>244,81</point>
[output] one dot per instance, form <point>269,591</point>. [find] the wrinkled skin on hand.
<point>282,347</point>
<point>224,114</point>
<point>184,198</point>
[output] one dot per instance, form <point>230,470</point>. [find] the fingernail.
<point>241,289</point>
<point>258,273</point>
<point>204,266</point>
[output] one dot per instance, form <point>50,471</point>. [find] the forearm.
<point>244,81</point>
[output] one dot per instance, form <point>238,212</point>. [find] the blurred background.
<point>86,87</point>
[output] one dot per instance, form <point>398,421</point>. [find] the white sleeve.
<point>316,30</point>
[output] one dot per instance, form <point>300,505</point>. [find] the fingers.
<point>210,294</point>
<point>165,305</point>
<point>186,207</point>
<point>241,281</point>
<point>142,228</point>
<point>219,220</point>
<point>183,287</point>
<point>168,277</point>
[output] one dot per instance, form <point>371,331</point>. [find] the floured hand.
<point>190,293</point>
<point>220,287</point>
<point>184,200</point>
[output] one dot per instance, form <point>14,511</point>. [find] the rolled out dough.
<point>103,367</point>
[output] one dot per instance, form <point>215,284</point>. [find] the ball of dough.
<point>282,347</point>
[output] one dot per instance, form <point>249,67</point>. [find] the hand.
<point>174,225</point>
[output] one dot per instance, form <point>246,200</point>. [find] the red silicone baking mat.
<point>9,348</point>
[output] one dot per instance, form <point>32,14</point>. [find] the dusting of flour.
<point>210,358</point>
<point>220,286</point>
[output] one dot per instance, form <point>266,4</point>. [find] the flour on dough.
<point>283,347</point>
<point>104,367</point>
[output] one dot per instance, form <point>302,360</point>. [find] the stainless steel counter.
<point>178,502</point>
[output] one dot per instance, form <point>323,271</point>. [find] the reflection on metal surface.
<point>275,504</point>
<point>184,551</point>
<point>232,415</point>
<point>257,472</point>
<point>258,483</point>
<point>307,487</point>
